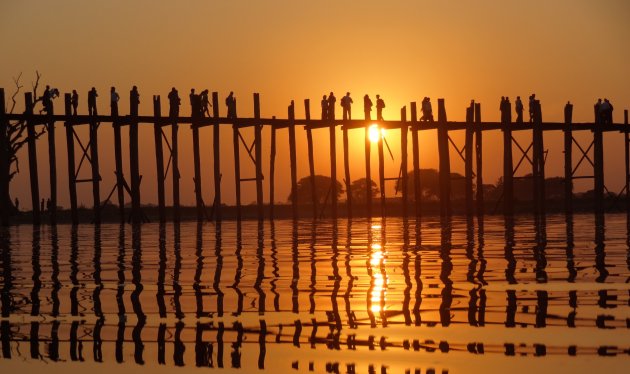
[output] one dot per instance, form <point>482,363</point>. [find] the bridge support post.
<point>159,156</point>
<point>311,158</point>
<point>479,160</point>
<point>568,160</point>
<point>403,160</point>
<point>32,159</point>
<point>445,163</point>
<point>71,162</point>
<point>293,159</point>
<point>216,158</point>
<point>258,154</point>
<point>417,190</point>
<point>468,160</point>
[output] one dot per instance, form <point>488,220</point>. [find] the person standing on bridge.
<point>331,106</point>
<point>380,105</point>
<point>113,101</point>
<point>532,107</point>
<point>598,113</point>
<point>346,104</point>
<point>518,105</point>
<point>205,103</point>
<point>173,103</point>
<point>230,102</point>
<point>324,104</point>
<point>46,101</point>
<point>367,107</point>
<point>75,101</point>
<point>134,96</point>
<point>92,95</point>
<point>427,110</point>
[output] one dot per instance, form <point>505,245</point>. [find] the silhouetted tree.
<point>430,184</point>
<point>322,189</point>
<point>358,189</point>
<point>16,139</point>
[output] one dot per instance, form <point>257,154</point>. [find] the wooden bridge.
<point>470,152</point>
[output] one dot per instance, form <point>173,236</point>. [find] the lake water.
<point>361,296</point>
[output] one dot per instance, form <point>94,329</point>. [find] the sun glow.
<point>375,133</point>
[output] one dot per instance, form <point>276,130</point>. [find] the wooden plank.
<point>96,177</point>
<point>568,161</point>
<point>32,159</point>
<point>311,158</point>
<point>134,161</point>
<point>417,190</point>
<point>71,162</point>
<point>4,164</point>
<point>216,149</point>
<point>508,170</point>
<point>272,170</point>
<point>237,166</point>
<point>403,161</point>
<point>293,160</point>
<point>52,162</point>
<point>120,181</point>
<point>258,153</point>
<point>444,161</point>
<point>479,160</point>
<point>159,157</point>
<point>468,159</point>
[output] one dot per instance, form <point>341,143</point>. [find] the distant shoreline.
<point>393,208</point>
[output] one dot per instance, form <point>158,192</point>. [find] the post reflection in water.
<point>264,295</point>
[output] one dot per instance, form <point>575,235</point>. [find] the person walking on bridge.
<point>324,104</point>
<point>380,105</point>
<point>174,102</point>
<point>518,105</point>
<point>331,106</point>
<point>92,95</point>
<point>113,101</point>
<point>346,104</point>
<point>367,107</point>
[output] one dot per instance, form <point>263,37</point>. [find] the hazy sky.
<point>291,50</point>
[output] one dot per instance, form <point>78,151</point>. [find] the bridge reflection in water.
<point>362,295</point>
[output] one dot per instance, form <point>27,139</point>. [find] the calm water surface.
<point>379,296</point>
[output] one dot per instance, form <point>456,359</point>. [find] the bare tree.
<point>14,133</point>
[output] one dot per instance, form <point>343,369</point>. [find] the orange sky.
<point>404,50</point>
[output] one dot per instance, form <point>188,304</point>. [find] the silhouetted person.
<point>205,103</point>
<point>380,105</point>
<point>17,205</point>
<point>75,101</point>
<point>597,111</point>
<point>518,105</point>
<point>427,110</point>
<point>92,95</point>
<point>568,112</point>
<point>346,104</point>
<point>135,100</point>
<point>607,111</point>
<point>48,205</point>
<point>331,106</point>
<point>532,107</point>
<point>367,107</point>
<point>113,101</point>
<point>324,107</point>
<point>173,103</point>
<point>502,109</point>
<point>47,101</point>
<point>41,206</point>
<point>508,110</point>
<point>230,103</point>
<point>192,97</point>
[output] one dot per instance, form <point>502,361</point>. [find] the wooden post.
<point>445,164</point>
<point>403,159</point>
<point>417,190</point>
<point>627,154</point>
<point>120,185</point>
<point>598,168</point>
<point>96,177</point>
<point>272,170</point>
<point>237,165</point>
<point>479,159</point>
<point>346,169</point>
<point>311,158</point>
<point>175,170</point>
<point>197,167</point>
<point>217,158</point>
<point>258,151</point>
<point>568,161</point>
<point>368,172</point>
<point>293,158</point>
<point>468,159</point>
<point>134,162</point>
<point>159,156</point>
<point>381,171</point>
<point>71,163</point>
<point>32,158</point>
<point>4,164</point>
<point>539,162</point>
<point>333,167</point>
<point>508,170</point>
<point>52,162</point>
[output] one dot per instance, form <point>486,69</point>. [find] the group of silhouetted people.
<point>199,103</point>
<point>603,112</point>
<point>328,107</point>
<point>47,99</point>
<point>505,107</point>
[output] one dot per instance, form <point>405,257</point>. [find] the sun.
<point>375,133</point>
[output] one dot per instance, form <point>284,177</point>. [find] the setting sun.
<point>375,133</point>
